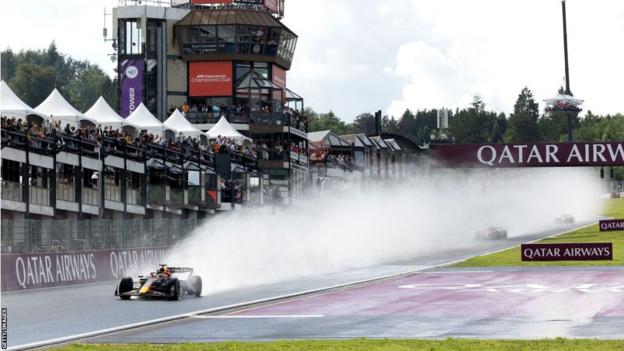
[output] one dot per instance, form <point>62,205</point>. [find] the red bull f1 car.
<point>167,283</point>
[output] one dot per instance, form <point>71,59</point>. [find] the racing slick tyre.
<point>174,289</point>
<point>125,285</point>
<point>195,283</point>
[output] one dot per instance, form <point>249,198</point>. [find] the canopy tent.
<point>181,125</point>
<point>13,106</point>
<point>107,117</point>
<point>224,128</point>
<point>55,107</point>
<point>143,119</point>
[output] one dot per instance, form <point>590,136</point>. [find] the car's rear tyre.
<point>174,290</point>
<point>195,283</point>
<point>125,285</point>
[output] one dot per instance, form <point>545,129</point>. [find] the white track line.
<point>260,316</point>
<point>247,303</point>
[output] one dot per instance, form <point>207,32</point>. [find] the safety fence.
<point>54,235</point>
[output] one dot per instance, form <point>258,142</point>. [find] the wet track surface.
<point>521,303</point>
<point>46,314</point>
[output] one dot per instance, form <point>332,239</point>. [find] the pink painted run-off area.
<point>534,294</point>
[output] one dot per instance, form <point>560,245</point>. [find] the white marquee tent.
<point>13,106</point>
<point>181,125</point>
<point>55,107</point>
<point>224,128</point>
<point>106,116</point>
<point>142,118</point>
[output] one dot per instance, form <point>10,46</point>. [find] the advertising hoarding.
<point>611,225</point>
<point>567,252</point>
<point>528,155</point>
<point>279,76</point>
<point>43,270</point>
<point>210,78</point>
<point>131,83</point>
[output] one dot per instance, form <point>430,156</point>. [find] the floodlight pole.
<point>567,69</point>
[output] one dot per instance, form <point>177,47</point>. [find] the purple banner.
<point>43,270</point>
<point>611,225</point>
<point>567,252</point>
<point>529,155</point>
<point>131,86</point>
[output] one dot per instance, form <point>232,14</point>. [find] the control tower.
<point>213,59</point>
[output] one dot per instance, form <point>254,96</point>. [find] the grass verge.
<point>372,345</point>
<point>511,257</point>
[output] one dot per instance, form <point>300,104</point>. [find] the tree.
<point>33,83</point>
<point>522,124</point>
<point>328,121</point>
<point>8,66</point>
<point>364,123</point>
<point>475,124</point>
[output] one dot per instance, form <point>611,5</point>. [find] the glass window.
<point>226,38</point>
<point>244,34</point>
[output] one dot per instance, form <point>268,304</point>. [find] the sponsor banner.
<point>131,86</point>
<point>210,78</point>
<point>529,155</point>
<point>43,270</point>
<point>279,76</point>
<point>611,225</point>
<point>567,252</point>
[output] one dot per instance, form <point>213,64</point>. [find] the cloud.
<point>361,56</point>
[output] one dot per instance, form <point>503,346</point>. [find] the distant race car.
<point>167,282</point>
<point>564,219</point>
<point>491,233</point>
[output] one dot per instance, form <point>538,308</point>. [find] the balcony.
<point>11,191</point>
<point>39,196</point>
<point>176,196</point>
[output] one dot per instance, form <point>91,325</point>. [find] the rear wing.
<point>180,270</point>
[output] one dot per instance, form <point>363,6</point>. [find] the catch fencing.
<point>54,235</point>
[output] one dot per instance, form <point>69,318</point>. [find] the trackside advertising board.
<point>44,270</point>
<point>210,78</point>
<point>528,155</point>
<point>611,225</point>
<point>567,252</point>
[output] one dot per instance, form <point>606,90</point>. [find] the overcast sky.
<point>360,56</point>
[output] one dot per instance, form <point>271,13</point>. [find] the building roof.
<point>230,16</point>
<point>57,107</point>
<point>378,142</point>
<point>328,139</point>
<point>393,144</point>
<point>11,104</point>
<point>106,116</point>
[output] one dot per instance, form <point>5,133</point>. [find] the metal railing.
<point>11,191</point>
<point>26,236</point>
<point>112,192</point>
<point>90,196</point>
<point>133,196</point>
<point>39,195</point>
<point>66,192</point>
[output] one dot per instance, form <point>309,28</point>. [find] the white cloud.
<point>360,56</point>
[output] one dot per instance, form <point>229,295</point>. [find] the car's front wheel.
<point>125,285</point>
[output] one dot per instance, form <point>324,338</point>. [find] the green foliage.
<point>522,124</point>
<point>327,121</point>
<point>33,74</point>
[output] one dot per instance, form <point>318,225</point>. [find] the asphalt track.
<point>40,316</point>
<point>518,304</point>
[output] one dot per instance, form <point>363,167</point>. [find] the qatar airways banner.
<point>131,86</point>
<point>529,155</point>
<point>567,252</point>
<point>44,270</point>
<point>611,225</point>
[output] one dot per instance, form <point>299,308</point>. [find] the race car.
<point>564,219</point>
<point>491,233</point>
<point>167,282</point>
